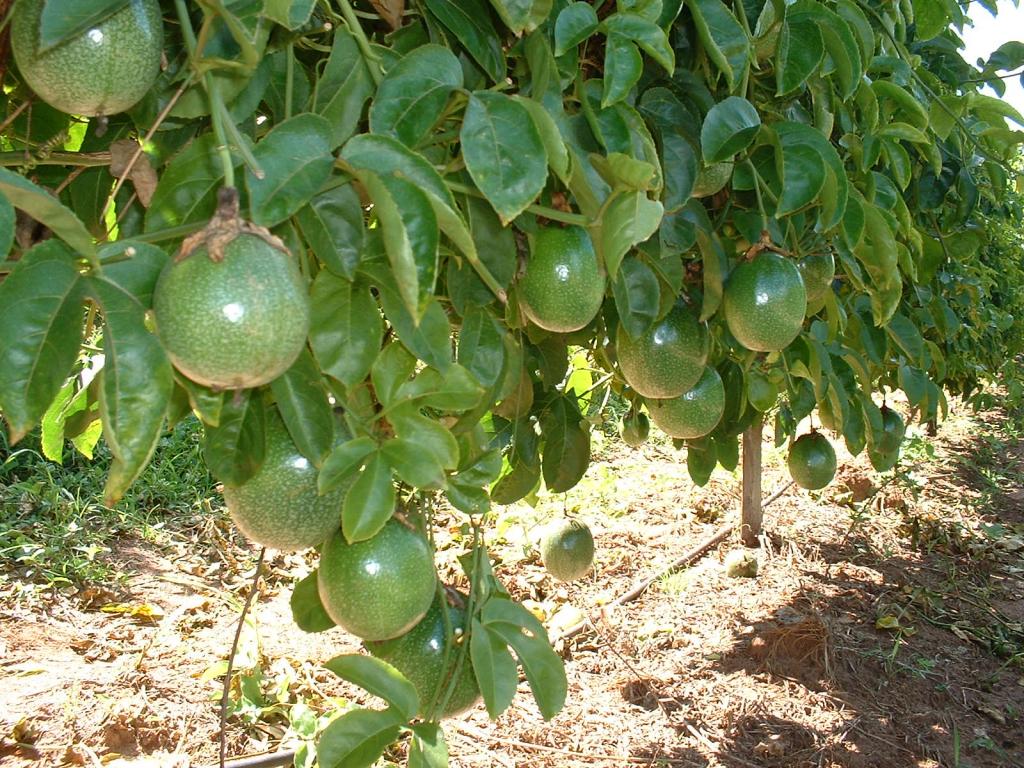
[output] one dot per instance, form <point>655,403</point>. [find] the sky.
<point>988,33</point>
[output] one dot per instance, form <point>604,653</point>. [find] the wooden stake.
<point>752,511</point>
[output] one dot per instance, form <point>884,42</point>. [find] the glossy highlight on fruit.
<point>694,413</point>
<point>102,71</point>
<point>379,588</point>
<point>419,655</point>
<point>563,287</point>
<point>279,506</point>
<point>765,302</point>
<point>668,358</point>
<point>236,323</point>
<point>567,549</point>
<point>812,461</point>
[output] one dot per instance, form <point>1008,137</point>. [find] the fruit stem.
<point>541,210</point>
<point>372,59</point>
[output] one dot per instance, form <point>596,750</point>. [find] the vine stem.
<point>372,59</point>
<point>541,210</point>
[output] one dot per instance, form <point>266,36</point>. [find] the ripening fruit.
<point>379,588</point>
<point>567,549</point>
<point>236,323</point>
<point>419,655</point>
<point>765,303</point>
<point>280,506</point>
<point>102,71</point>
<point>563,287</point>
<point>812,461</point>
<point>695,413</point>
<point>668,358</point>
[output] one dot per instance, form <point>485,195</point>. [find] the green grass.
<point>54,529</point>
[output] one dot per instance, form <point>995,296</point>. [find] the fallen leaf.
<point>140,173</point>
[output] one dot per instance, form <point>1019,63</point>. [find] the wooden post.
<point>750,521</point>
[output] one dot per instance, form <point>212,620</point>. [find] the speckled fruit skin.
<point>765,303</point>
<point>237,323</point>
<point>379,588</point>
<point>666,360</point>
<point>567,549</point>
<point>563,286</point>
<point>279,506</point>
<point>634,430</point>
<point>694,413</point>
<point>818,271</point>
<point>103,71</point>
<point>419,654</point>
<point>812,461</point>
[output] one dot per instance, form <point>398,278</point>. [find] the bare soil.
<point>884,629</point>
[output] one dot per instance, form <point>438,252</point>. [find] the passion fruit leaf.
<point>516,484</point>
<point>47,210</point>
<point>345,327</point>
<point>378,678</point>
<point>803,176</point>
<point>701,459</point>
<point>295,160</point>
<point>134,267</point>
<point>427,749</point>
<point>234,449</point>
<point>495,669</point>
<point>332,224</point>
<point>7,221</point>
<point>40,332</point>
<point>714,267</point>
<point>307,611</point>
<point>136,385</point>
<point>358,738</point>
<point>566,445</point>
<point>413,465</point>
<point>680,166</point>
<point>637,295</point>
<point>204,401</point>
<point>291,14</point>
<point>800,51</point>
<point>412,97</point>
<point>343,88</point>
<point>723,39</point>
<point>623,66</point>
<point>345,459</point>
<point>187,190</point>
<point>370,501</point>
<point>729,128</point>
<point>470,22</point>
<point>386,156</point>
<point>431,435</point>
<point>521,630</point>
<point>554,146</point>
<point>302,400</point>
<point>575,23</point>
<point>630,219</point>
<point>60,22</point>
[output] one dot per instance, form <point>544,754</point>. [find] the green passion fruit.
<point>104,70</point>
<point>668,358</point>
<point>379,588</point>
<point>280,506</point>
<point>567,549</point>
<point>884,448</point>
<point>812,461</point>
<point>562,288</point>
<point>234,323</point>
<point>635,428</point>
<point>765,303</point>
<point>818,271</point>
<point>694,413</point>
<point>420,655</point>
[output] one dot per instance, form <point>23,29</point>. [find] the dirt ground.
<point>884,629</point>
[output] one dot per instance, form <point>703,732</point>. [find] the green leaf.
<point>700,461</point>
<point>206,403</point>
<point>427,749</point>
<point>800,51</point>
<point>713,261</point>
<point>515,13</point>
<point>931,18</point>
<point>413,96</point>
<point>544,669</point>
<point>393,367</point>
<point>516,484</point>
<point>646,34</point>
<point>903,331</point>
<point>295,157</point>
<point>456,389</point>
<point>187,191</point>
<point>134,267</point>
<point>566,446</point>
<point>7,223</point>
<point>40,332</point>
<point>136,385</point>
<point>59,22</point>
<point>47,210</point>
<point>554,146</point>
<point>290,14</point>
<point>308,611</point>
<point>803,172</point>
<point>234,449</point>
<point>431,435</point>
<point>722,38</point>
<point>680,166</point>
<point>495,669</point>
<point>343,88</point>
<point>503,151</point>
<point>482,350</point>
<point>729,128</point>
<point>414,466</point>
<point>575,23</point>
<point>623,66</point>
<point>630,219</point>
<point>345,328</point>
<point>332,224</point>
<point>370,502</point>
<point>344,460</point>
<point>301,398</point>
<point>379,679</point>
<point>470,22</point>
<point>637,295</point>
<point>358,738</point>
